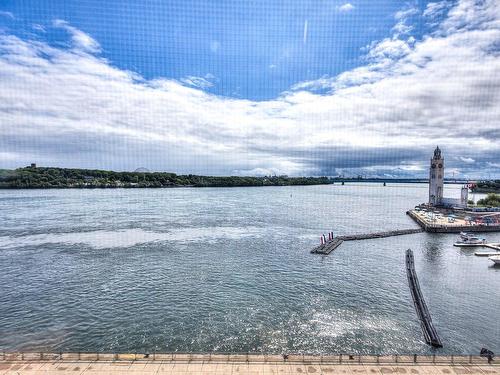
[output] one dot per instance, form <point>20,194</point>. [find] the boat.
<point>467,239</point>
<point>495,259</point>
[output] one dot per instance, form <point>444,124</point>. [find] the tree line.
<point>490,186</point>
<point>491,200</point>
<point>42,177</point>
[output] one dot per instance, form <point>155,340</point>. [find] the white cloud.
<point>403,16</point>
<point>38,27</point>
<point>401,28</point>
<point>7,14</point>
<point>467,160</point>
<point>347,7</point>
<point>433,10</point>
<point>80,39</point>
<point>388,114</point>
<point>201,82</point>
<point>406,13</point>
<point>7,156</point>
<point>392,49</point>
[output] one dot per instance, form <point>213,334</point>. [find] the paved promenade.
<point>256,365</point>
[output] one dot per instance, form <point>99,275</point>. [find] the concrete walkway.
<point>179,367</point>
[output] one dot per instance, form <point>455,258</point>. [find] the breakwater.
<point>328,246</point>
<point>430,333</point>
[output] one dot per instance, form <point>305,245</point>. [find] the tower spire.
<point>437,153</point>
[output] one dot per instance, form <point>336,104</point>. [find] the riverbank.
<point>68,363</point>
<point>65,178</point>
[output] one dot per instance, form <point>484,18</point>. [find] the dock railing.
<point>248,357</point>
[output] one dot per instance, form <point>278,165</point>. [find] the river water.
<point>229,270</point>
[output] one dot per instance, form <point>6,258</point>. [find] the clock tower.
<point>436,178</point>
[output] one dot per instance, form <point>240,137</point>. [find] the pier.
<point>244,363</point>
<point>332,244</point>
<point>442,226</point>
<point>494,246</point>
<point>430,333</point>
<point>485,253</point>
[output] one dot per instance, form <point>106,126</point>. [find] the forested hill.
<point>37,177</point>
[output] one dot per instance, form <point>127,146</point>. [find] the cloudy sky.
<point>312,87</point>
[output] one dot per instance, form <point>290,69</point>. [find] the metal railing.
<point>248,358</point>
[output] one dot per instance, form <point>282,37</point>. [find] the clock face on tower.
<point>440,165</point>
<point>433,166</point>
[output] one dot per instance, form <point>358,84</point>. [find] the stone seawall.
<point>451,228</point>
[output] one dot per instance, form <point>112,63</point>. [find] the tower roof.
<point>437,153</point>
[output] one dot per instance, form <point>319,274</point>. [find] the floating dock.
<point>430,333</point>
<point>485,253</point>
<point>332,244</point>
<point>494,246</point>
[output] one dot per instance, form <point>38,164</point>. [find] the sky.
<point>316,87</point>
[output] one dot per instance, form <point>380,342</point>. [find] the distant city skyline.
<point>252,88</point>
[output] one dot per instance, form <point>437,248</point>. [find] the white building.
<point>436,185</point>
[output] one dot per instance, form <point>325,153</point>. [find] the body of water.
<point>229,270</point>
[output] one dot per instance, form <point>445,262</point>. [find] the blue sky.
<point>251,87</point>
<point>253,49</point>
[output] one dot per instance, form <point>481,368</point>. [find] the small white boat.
<point>495,259</point>
<point>467,239</point>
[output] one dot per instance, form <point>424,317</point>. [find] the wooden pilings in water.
<point>335,242</point>
<point>328,247</point>
<point>430,334</point>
